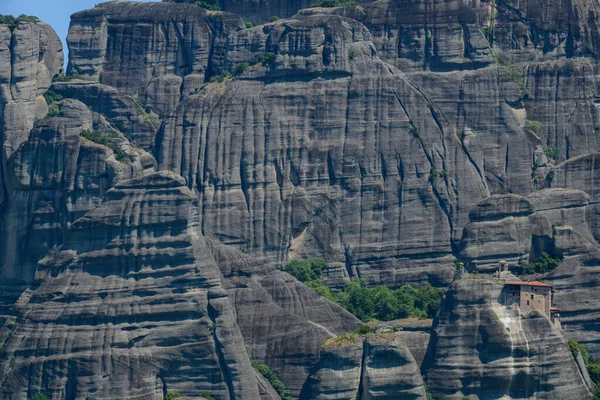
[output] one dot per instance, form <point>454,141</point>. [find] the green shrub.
<point>111,141</point>
<point>53,111</point>
<point>67,78</point>
<point>544,263</point>
<point>240,69</point>
<point>415,132</point>
<point>592,365</point>
<point>263,58</point>
<point>248,24</point>
<point>334,3</point>
<point>552,151</point>
<point>306,270</point>
<point>39,396</point>
<point>364,330</point>
<point>352,54</point>
<point>172,395</point>
<point>533,126</point>
<point>368,303</point>
<point>209,5</point>
<point>274,18</point>
<point>52,97</point>
<point>13,22</point>
<point>206,395</point>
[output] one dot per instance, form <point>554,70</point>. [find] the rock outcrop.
<point>30,56</point>
<point>482,349</point>
<point>376,367</point>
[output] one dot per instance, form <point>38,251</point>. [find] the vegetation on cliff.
<point>592,364</point>
<point>275,382</point>
<point>369,303</point>
<point>542,264</point>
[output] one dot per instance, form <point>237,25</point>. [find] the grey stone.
<point>170,47</point>
<point>376,367</point>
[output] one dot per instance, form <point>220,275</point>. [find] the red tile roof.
<point>554,309</point>
<point>534,283</point>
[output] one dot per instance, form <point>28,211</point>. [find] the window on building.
<point>531,297</point>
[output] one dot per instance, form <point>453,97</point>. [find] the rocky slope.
<point>388,138</point>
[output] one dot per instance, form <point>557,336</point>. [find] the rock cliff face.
<point>169,48</point>
<point>30,56</point>
<point>482,349</point>
<point>147,204</point>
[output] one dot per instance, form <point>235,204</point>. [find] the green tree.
<point>301,270</point>
<point>386,304</point>
<point>358,299</point>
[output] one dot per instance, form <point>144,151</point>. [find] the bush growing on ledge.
<point>533,126</point>
<point>592,364</point>
<point>39,396</point>
<point>544,263</point>
<point>551,151</point>
<point>204,394</point>
<point>368,303</point>
<point>110,141</point>
<point>52,97</point>
<point>13,22</point>
<point>208,4</point>
<point>67,78</point>
<point>270,376</point>
<point>334,3</point>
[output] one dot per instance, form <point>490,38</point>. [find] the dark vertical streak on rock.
<point>363,386</point>
<point>212,315</point>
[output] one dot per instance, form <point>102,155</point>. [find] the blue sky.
<point>54,12</point>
